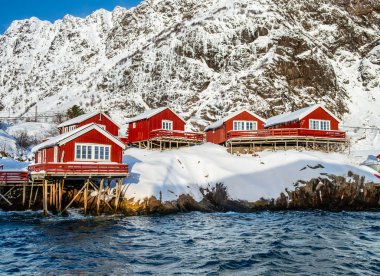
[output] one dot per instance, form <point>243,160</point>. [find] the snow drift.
<point>172,173</point>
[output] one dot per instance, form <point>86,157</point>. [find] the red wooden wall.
<point>219,135</point>
<point>318,114</point>
<point>92,137</point>
<point>143,127</point>
<point>111,127</point>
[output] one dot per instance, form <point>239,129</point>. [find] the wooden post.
<point>99,195</point>
<point>85,197</point>
<point>60,192</point>
<point>31,193</point>
<point>23,194</point>
<point>44,197</point>
<point>297,144</point>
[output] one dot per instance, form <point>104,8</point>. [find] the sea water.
<point>263,243</point>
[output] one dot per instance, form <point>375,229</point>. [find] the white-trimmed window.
<point>245,125</point>
<point>168,125</point>
<point>72,127</point>
<point>92,152</point>
<point>319,124</point>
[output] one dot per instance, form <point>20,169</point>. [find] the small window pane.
<point>107,153</point>
<point>89,152</point>
<point>84,151</point>
<point>96,152</point>
<point>78,152</point>
<point>101,153</point>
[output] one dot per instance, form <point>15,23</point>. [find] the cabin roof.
<point>220,122</point>
<point>71,135</point>
<point>296,115</point>
<point>150,113</point>
<point>84,117</point>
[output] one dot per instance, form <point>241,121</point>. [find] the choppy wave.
<point>264,243</point>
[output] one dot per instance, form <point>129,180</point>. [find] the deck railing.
<point>12,177</point>
<point>196,136</point>
<point>72,168</point>
<point>294,132</point>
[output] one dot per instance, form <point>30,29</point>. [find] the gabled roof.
<point>68,136</point>
<point>84,117</point>
<point>150,113</point>
<point>220,122</point>
<point>296,115</point>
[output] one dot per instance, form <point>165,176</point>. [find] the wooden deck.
<point>72,170</point>
<point>168,139</point>
<point>13,177</point>
<point>287,138</point>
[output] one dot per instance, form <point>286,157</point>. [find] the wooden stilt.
<point>31,193</point>
<point>3,197</point>
<point>35,196</point>
<point>44,197</point>
<point>99,196</point>
<point>118,193</point>
<point>75,197</point>
<point>85,197</point>
<point>23,194</point>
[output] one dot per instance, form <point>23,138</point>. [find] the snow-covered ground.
<point>246,177</point>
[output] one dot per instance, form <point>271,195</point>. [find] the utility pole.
<point>35,113</point>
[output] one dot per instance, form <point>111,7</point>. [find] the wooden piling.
<point>99,196</point>
<point>85,197</point>
<point>23,194</point>
<point>44,197</point>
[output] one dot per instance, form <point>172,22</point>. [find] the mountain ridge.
<point>203,59</point>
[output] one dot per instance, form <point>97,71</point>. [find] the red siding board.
<point>318,114</point>
<point>144,127</point>
<point>219,135</point>
<point>91,137</point>
<point>99,119</point>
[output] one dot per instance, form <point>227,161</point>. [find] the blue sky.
<point>54,9</point>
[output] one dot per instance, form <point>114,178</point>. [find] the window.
<point>86,152</point>
<point>319,124</point>
<point>72,128</point>
<point>134,125</point>
<point>168,125</point>
<point>245,125</point>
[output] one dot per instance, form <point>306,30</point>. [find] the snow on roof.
<point>220,122</point>
<point>150,113</point>
<point>296,115</point>
<point>68,136</point>
<point>84,117</point>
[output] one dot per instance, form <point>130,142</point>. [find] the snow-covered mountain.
<point>202,58</point>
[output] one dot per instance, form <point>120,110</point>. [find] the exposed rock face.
<point>203,58</point>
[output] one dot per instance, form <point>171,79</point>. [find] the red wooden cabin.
<point>314,121</point>
<point>240,121</point>
<point>161,124</point>
<point>97,117</point>
<point>86,150</point>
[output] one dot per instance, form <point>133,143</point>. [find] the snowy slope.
<point>204,59</point>
<point>184,171</point>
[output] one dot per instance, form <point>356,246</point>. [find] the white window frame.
<point>92,146</point>
<point>133,125</point>
<point>241,125</point>
<point>39,157</point>
<point>169,123</point>
<point>316,124</point>
<point>55,154</point>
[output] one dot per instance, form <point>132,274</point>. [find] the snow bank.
<point>246,177</point>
